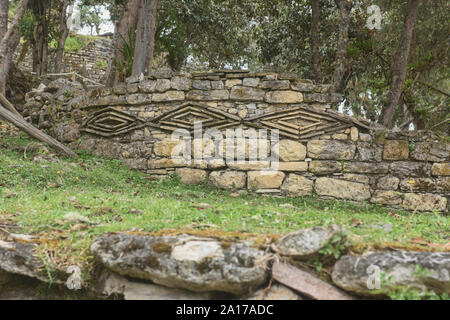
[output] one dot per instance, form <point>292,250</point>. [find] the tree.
<point>9,43</point>
<point>65,11</point>
<point>315,45</point>
<point>41,11</point>
<point>400,63</point>
<point>4,8</point>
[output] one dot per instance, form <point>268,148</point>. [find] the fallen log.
<point>20,123</point>
<point>8,105</point>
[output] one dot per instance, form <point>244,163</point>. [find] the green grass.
<point>38,196</point>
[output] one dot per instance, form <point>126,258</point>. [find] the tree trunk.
<point>342,64</point>
<point>64,30</point>
<point>40,35</point>
<point>315,47</point>
<point>20,123</point>
<point>399,68</point>
<point>126,23</point>
<point>4,7</point>
<point>145,38</point>
<point>9,43</point>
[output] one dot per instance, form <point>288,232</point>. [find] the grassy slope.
<point>38,195</point>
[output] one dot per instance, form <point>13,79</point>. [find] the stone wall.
<point>320,151</point>
<point>90,61</point>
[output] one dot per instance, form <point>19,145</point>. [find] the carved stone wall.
<point>320,151</point>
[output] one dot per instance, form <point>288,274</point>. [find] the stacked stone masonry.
<point>320,150</point>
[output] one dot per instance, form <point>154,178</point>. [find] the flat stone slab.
<point>306,283</point>
<point>192,263</point>
<point>364,274</point>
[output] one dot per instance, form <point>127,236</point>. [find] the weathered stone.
<point>230,83</point>
<point>247,94</point>
<point>302,85</point>
<point>411,169</point>
<point>275,292</point>
<point>169,148</point>
<point>202,84</point>
<point>362,274</point>
<point>417,184</point>
<point>435,151</point>
<point>67,132</point>
<point>275,84</point>
<point>248,165</point>
<point>138,98</point>
<point>356,178</point>
<point>132,88</point>
<point>166,163</point>
<point>284,97</point>
<point>147,86</point>
<point>217,85</point>
<point>440,169</point>
<point>305,243</point>
<point>290,150</point>
<point>342,189</point>
<point>192,176</point>
<point>265,180</point>
<point>306,283</point>
<point>325,167</point>
<point>366,167</point>
<point>354,134</point>
<point>168,96</point>
<point>251,82</point>
<point>195,264</point>
<point>318,97</point>
<point>340,136</point>
<point>181,83</point>
<point>386,197</point>
<point>443,184</point>
<point>114,284</point>
<point>293,166</point>
<point>210,95</point>
<point>162,85</point>
<point>424,202</point>
<point>136,163</point>
<point>228,179</point>
<point>369,152</point>
<point>298,186</point>
<point>396,150</point>
<point>365,137</point>
<point>120,89</point>
<point>388,183</point>
<point>331,150</point>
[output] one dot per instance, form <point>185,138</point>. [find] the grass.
<point>71,201</point>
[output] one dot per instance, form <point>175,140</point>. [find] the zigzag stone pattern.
<point>321,151</point>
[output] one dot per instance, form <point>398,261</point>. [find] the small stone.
<point>325,167</point>
<point>169,148</point>
<point>265,180</point>
<point>208,95</point>
<point>396,150</point>
<point>217,85</point>
<point>181,83</point>
<point>251,82</point>
<point>366,167</point>
<point>388,183</point>
<point>192,176</point>
<point>354,134</point>
<point>410,169</point>
<point>386,197</point>
<point>440,169</point>
<point>246,94</point>
<point>230,83</point>
<point>275,84</point>
<point>162,85</point>
<point>424,202</point>
<point>290,150</point>
<point>331,150</point>
<point>169,96</point>
<point>293,166</point>
<point>228,179</point>
<point>426,151</point>
<point>342,189</point>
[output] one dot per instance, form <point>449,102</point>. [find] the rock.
<point>217,85</point>
<point>228,179</point>
<point>424,202</point>
<point>166,163</point>
<point>195,264</point>
<point>290,150</point>
<point>366,167</point>
<point>354,134</point>
<point>169,96</point>
<point>67,132</point>
<point>304,244</point>
<point>248,165</point>
<point>114,284</point>
<point>192,176</point>
<point>362,274</point>
<point>440,169</point>
<point>136,164</point>
<point>369,152</point>
<point>251,82</point>
<point>331,150</point>
<point>147,86</point>
<point>181,83</point>
<point>396,150</point>
<point>302,85</point>
<point>275,292</point>
<point>388,183</point>
<point>209,95</point>
<point>410,169</point>
<point>202,84</point>
<point>339,136</point>
<point>265,180</point>
<point>284,97</point>
<point>18,258</point>
<point>293,166</point>
<point>298,186</point>
<point>306,283</point>
<point>230,83</point>
<point>418,184</point>
<point>275,84</point>
<point>435,151</point>
<point>342,189</point>
<point>386,197</point>
<point>325,167</point>
<point>138,98</point>
<point>162,85</point>
<point>356,178</point>
<point>246,94</point>
<point>169,148</point>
